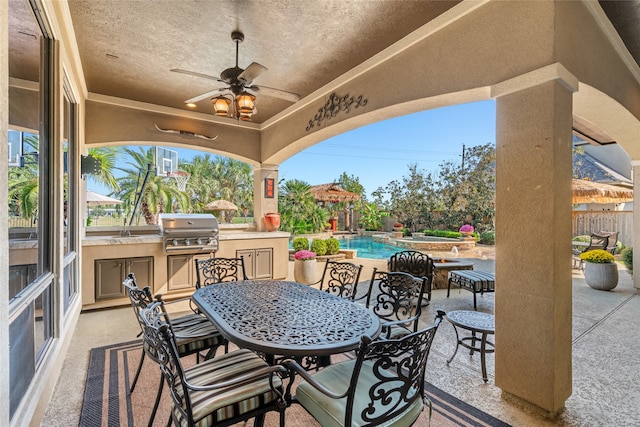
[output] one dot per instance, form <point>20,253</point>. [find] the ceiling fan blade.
<point>193,73</point>
<point>251,72</point>
<point>276,93</point>
<point>206,95</point>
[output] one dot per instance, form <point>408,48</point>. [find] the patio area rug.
<point>112,368</point>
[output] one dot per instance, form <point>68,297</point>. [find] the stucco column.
<point>533,236</point>
<point>635,166</point>
<point>261,203</point>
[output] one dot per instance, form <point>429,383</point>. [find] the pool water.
<point>367,248</point>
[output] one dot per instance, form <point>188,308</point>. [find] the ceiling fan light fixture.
<point>221,106</point>
<point>245,106</point>
<point>245,102</point>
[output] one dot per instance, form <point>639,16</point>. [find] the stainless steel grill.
<point>185,233</point>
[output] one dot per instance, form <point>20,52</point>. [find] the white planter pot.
<point>304,271</point>
<point>601,276</point>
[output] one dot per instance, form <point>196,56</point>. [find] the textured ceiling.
<point>128,48</point>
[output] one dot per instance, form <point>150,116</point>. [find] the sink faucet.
<point>124,231</point>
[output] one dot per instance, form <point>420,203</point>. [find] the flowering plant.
<point>597,256</point>
<point>467,228</point>
<point>304,255</point>
<point>397,225</point>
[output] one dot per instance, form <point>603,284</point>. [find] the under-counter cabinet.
<point>181,271</point>
<point>110,273</point>
<point>258,263</point>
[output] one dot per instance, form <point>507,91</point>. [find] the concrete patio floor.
<point>606,366</point>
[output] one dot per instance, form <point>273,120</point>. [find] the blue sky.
<point>380,153</point>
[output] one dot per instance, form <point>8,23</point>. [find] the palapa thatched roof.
<point>332,193</point>
<point>221,205</point>
<point>596,192</point>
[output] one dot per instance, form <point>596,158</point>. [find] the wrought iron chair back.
<point>396,298</point>
<point>386,381</point>
<point>198,332</point>
<point>139,298</point>
<point>214,379</point>
<point>415,263</point>
<point>215,270</point>
<point>341,279</point>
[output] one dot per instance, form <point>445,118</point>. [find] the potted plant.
<point>600,270</point>
<point>397,226</point>
<point>272,221</point>
<point>304,267</point>
<point>467,230</point>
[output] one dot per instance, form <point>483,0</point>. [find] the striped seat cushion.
<point>212,406</point>
<point>195,332</point>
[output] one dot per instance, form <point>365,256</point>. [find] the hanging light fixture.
<point>245,106</point>
<point>221,106</point>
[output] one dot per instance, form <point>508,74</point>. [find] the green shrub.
<point>333,245</point>
<point>619,247</point>
<point>319,247</point>
<point>627,258</point>
<point>443,233</point>
<point>488,238</point>
<point>300,243</point>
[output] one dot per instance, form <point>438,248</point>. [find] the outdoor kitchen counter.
<point>121,240</point>
<point>148,248</point>
<point>157,238</point>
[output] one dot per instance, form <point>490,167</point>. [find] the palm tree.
<point>23,184</point>
<point>158,194</point>
<point>218,177</point>
<point>298,209</point>
<point>108,156</point>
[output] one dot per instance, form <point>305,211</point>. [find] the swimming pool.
<point>367,248</point>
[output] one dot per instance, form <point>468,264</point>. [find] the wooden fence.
<point>587,222</point>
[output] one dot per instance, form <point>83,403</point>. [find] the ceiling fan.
<point>239,83</point>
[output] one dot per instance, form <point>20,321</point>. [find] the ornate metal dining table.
<point>286,318</point>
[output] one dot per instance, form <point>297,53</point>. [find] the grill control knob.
<point>175,242</point>
<point>187,242</point>
<point>200,242</point>
<point>210,241</point>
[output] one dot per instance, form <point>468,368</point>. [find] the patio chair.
<point>415,263</point>
<point>195,332</point>
<point>340,279</point>
<point>223,391</point>
<point>612,242</point>
<point>216,270</point>
<point>383,386</point>
<point>396,298</point>
<point>597,241</point>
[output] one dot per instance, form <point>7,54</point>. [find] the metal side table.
<point>476,323</point>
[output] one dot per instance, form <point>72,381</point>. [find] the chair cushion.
<point>395,332</point>
<point>212,406</point>
<point>331,412</point>
<point>194,333</point>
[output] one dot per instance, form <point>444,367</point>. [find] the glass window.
<point>30,180</point>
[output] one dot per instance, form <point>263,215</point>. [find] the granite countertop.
<point>157,239</point>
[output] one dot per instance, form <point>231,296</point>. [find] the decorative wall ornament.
<point>186,133</point>
<point>333,106</point>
